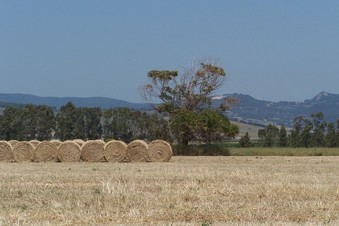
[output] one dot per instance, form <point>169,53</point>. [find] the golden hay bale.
<point>13,142</point>
<point>159,151</point>
<point>92,151</point>
<point>46,151</point>
<point>6,153</point>
<point>101,141</point>
<point>23,152</point>
<point>115,151</point>
<point>35,143</point>
<point>69,151</point>
<point>79,142</point>
<point>56,142</point>
<point>137,151</point>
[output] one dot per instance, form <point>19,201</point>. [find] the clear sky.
<point>272,50</point>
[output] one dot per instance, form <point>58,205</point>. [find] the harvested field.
<point>186,190</point>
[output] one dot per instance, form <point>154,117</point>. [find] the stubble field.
<point>187,190</point>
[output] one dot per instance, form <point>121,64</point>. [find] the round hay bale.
<point>23,152</point>
<point>46,151</point>
<point>159,151</point>
<point>69,151</point>
<point>115,151</point>
<point>79,142</point>
<point>13,142</point>
<point>92,151</point>
<point>56,142</point>
<point>35,143</point>
<point>6,154</point>
<point>137,151</point>
<point>101,141</point>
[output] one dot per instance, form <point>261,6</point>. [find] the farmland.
<point>186,190</point>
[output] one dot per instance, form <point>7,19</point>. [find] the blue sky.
<point>272,50</point>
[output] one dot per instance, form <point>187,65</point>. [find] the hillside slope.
<point>251,110</point>
<point>57,102</point>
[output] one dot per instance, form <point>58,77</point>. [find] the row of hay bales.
<point>89,151</point>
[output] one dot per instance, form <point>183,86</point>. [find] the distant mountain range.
<point>248,109</point>
<point>57,102</point>
<point>260,112</point>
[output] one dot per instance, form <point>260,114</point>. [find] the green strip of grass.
<point>221,150</point>
<point>284,151</point>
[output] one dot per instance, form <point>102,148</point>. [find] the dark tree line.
<point>27,123</point>
<point>127,125</point>
<point>42,123</point>
<point>306,132</point>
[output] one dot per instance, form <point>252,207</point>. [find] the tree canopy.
<point>187,99</point>
<point>191,90</point>
<point>306,132</point>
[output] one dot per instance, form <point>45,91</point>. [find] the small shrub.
<point>202,150</point>
<point>245,141</point>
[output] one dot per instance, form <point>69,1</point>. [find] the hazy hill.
<point>262,112</point>
<point>57,102</point>
<point>5,104</point>
<point>248,110</point>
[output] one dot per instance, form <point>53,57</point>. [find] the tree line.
<point>306,132</point>
<point>40,122</point>
<point>70,122</point>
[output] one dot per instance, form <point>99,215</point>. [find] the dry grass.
<point>186,190</point>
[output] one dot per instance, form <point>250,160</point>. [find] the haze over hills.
<point>57,102</point>
<point>253,111</point>
<point>248,109</point>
